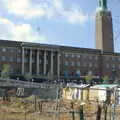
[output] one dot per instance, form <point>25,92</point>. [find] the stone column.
<point>37,62</point>
<point>23,59</point>
<point>51,64</point>
<point>58,65</point>
<point>30,63</point>
<point>44,63</point>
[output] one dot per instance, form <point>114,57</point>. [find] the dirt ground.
<point>33,108</point>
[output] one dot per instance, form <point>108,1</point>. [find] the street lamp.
<point>17,78</point>
<point>32,80</point>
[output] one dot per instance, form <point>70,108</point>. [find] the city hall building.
<point>55,61</point>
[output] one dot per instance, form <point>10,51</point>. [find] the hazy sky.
<point>61,22</point>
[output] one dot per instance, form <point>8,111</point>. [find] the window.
<point>118,58</point>
<point>11,59</point>
<point>119,66</point>
<point>90,72</point>
<point>26,60</point>
<point>66,63</point>
<point>84,64</point>
<point>72,63</point>
<point>96,65</point>
<point>65,73</point>
<point>113,58</point>
<point>78,56</point>
<point>12,49</point>
<point>78,72</point>
<point>3,58</point>
<point>11,68</point>
<point>107,65</point>
<point>96,57</point>
<point>19,51</point>
<point>18,60</point>
<point>3,49</point>
<point>90,64</point>
<point>113,66</point>
<point>107,57</point>
<point>33,61</point>
<point>78,63</point>
<point>40,61</point>
<point>46,61</point>
<point>84,56</point>
<point>26,51</point>
<point>90,57</point>
<point>72,56</point>
<point>59,55</point>
<point>66,55</point>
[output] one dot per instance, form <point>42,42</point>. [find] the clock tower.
<point>104,28</point>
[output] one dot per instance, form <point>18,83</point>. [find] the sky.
<point>60,22</point>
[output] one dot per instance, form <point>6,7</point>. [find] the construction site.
<point>80,102</point>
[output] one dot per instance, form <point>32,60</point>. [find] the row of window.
<point>18,59</point>
<point>33,61</point>
<point>107,58</point>
<point>10,50</point>
<point>77,73</point>
<point>90,57</point>
<point>112,66</point>
<point>9,59</point>
<point>72,63</point>
<point>40,52</point>
<point>90,64</point>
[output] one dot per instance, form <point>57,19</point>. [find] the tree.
<point>5,74</point>
<point>28,76</point>
<point>5,71</point>
<point>88,78</point>
<point>104,78</point>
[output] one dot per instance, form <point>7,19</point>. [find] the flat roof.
<point>60,47</point>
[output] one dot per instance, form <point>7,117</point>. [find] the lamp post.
<point>32,80</point>
<point>113,73</point>
<point>17,78</point>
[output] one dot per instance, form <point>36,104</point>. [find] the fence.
<point>35,108</point>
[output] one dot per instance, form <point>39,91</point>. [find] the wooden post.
<point>98,116</point>
<point>40,106</point>
<point>81,112</point>
<point>73,114</point>
<point>35,102</point>
<point>88,92</point>
<point>81,94</point>
<point>25,116</point>
<point>105,111</point>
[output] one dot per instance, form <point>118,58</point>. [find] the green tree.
<point>88,78</point>
<point>105,78</point>
<point>5,71</point>
<point>28,76</point>
<point>5,74</point>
